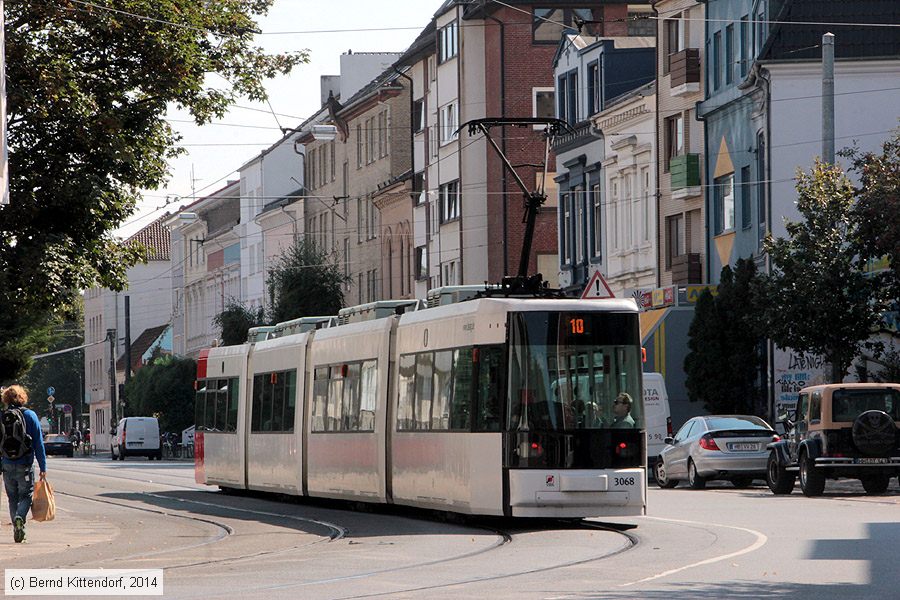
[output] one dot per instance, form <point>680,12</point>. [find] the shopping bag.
<point>43,506</point>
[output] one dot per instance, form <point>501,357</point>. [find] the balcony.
<point>686,269</point>
<point>684,71</point>
<point>685,171</point>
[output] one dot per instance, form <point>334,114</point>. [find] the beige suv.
<point>839,430</point>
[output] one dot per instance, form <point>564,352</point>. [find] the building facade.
<point>149,293</point>
<point>371,150</point>
<point>681,215</point>
<point>589,73</point>
<point>628,125</point>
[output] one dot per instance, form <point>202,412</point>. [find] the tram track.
<point>504,538</point>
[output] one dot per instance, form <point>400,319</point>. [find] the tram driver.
<point>622,418</point>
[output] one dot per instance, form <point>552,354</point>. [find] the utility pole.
<point>127,339</point>
<point>828,98</point>
<point>113,403</point>
<point>4,172</point>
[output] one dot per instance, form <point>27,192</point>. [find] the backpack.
<point>14,439</point>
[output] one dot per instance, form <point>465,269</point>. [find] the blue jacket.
<point>32,428</point>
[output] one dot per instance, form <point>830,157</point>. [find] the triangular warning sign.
<point>597,288</point>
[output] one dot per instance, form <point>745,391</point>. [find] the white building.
<point>149,292</point>
<point>628,125</point>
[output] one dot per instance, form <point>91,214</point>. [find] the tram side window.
<point>424,390</point>
<point>462,388</point>
<point>344,397</point>
<point>407,393</point>
<point>350,408</point>
<point>200,406</point>
<point>320,399</point>
<point>233,398</point>
<point>443,390</point>
<point>335,399</point>
<point>221,404</point>
<point>491,386</point>
<point>368,395</point>
<point>274,402</point>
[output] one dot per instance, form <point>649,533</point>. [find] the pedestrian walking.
<point>21,443</point>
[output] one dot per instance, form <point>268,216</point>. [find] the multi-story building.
<point>589,73</point>
<point>344,175</point>
<point>763,112</point>
<point>149,293</point>
<point>206,238</point>
<point>628,126</point>
<point>490,60</point>
<point>681,239</point>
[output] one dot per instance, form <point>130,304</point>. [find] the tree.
<point>818,298</point>
<point>877,210</point>
<point>236,320</point>
<point>164,389</point>
<point>305,281</point>
<point>724,361</point>
<point>64,372</point>
<point>88,87</point>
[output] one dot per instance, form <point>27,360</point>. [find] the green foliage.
<point>163,389</point>
<point>877,210</point>
<point>818,298</point>
<point>305,282</point>
<point>235,321</point>
<point>87,94</point>
<point>63,371</point>
<point>723,363</point>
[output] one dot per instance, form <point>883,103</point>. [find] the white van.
<point>656,414</point>
<point>136,436</point>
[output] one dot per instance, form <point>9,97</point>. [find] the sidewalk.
<point>65,533</point>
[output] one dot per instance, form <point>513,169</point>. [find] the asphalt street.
<point>717,543</point>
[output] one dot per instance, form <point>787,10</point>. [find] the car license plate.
<point>744,447</point>
<point>873,461</point>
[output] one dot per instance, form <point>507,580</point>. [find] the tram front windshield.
<point>574,371</point>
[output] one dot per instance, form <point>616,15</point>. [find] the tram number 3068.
<point>617,481</point>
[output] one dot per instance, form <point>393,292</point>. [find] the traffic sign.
<point>597,288</point>
<point>50,399</point>
<point>67,408</point>
<point>51,390</point>
<point>61,407</point>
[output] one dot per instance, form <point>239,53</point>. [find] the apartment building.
<point>149,293</point>
<point>680,137</point>
<point>590,74</point>
<point>369,153</point>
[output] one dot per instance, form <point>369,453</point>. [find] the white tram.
<point>493,406</point>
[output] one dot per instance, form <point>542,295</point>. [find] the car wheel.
<point>697,482</point>
<point>662,477</point>
<point>742,482</point>
<point>777,477</point>
<point>70,454</point>
<point>812,480</point>
<point>876,484</point>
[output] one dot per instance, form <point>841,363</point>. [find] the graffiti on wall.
<point>793,372</point>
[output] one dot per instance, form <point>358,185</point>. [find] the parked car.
<point>136,436</point>
<point>59,443</point>
<point>731,447</point>
<point>839,430</point>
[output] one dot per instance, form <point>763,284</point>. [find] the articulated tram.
<point>492,406</point>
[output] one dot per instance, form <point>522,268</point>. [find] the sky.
<point>326,30</point>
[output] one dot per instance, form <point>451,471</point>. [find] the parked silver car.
<point>731,447</point>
